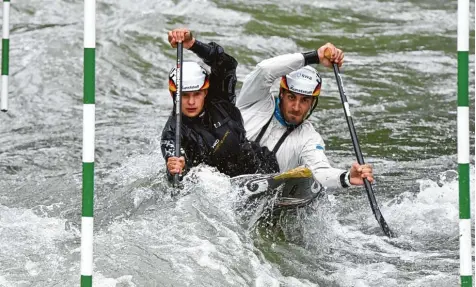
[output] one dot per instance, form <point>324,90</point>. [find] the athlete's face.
<point>193,102</point>
<point>294,107</point>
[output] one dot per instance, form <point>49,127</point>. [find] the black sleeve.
<point>167,142</point>
<point>311,58</point>
<point>223,69</point>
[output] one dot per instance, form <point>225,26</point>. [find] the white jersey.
<point>304,146</point>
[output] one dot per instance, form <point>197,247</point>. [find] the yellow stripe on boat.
<point>298,172</point>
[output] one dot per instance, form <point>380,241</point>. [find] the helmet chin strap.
<point>314,106</point>
<point>279,114</point>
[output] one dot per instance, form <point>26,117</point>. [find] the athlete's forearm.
<point>223,69</point>
<point>256,86</point>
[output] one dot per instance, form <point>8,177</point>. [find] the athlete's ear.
<point>206,92</point>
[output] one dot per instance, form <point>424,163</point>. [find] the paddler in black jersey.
<point>212,130</point>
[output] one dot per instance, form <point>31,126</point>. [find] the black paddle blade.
<point>376,210</point>
<point>383,224</point>
<point>385,228</point>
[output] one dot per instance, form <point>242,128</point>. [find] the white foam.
<point>101,280</point>
<point>42,230</point>
<point>31,244</point>
<point>434,211</point>
<point>264,280</point>
<point>374,274</point>
<point>6,283</point>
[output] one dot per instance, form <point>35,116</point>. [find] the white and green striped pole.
<point>465,250</point>
<point>5,54</point>
<point>89,109</point>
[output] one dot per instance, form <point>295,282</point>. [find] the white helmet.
<point>194,78</point>
<point>305,81</point>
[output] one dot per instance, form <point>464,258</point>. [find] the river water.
<point>400,77</point>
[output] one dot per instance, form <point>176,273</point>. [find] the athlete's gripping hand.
<point>359,172</point>
<point>175,165</point>
<point>329,54</point>
<point>181,35</point>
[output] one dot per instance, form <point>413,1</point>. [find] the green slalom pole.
<point>5,54</point>
<point>466,269</point>
<point>89,111</point>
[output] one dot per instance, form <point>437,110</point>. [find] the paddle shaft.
<point>358,153</point>
<point>178,104</point>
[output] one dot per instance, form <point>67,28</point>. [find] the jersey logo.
<point>319,147</point>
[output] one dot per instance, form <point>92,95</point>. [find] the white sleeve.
<point>257,84</point>
<point>313,156</point>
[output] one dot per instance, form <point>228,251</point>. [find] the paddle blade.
<point>383,224</point>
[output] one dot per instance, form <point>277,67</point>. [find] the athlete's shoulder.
<point>225,105</point>
<point>170,124</point>
<point>307,128</point>
<point>228,108</point>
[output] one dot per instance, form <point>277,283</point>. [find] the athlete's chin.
<point>191,113</point>
<point>294,120</point>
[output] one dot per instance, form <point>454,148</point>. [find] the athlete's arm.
<point>223,66</point>
<point>257,84</point>
<point>313,156</point>
<point>223,69</point>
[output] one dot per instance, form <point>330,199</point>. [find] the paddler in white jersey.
<point>280,123</point>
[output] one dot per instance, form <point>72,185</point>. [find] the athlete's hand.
<point>181,35</point>
<point>359,172</point>
<point>329,54</point>
<point>175,165</point>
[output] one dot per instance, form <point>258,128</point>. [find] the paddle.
<point>178,105</point>
<point>358,152</point>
